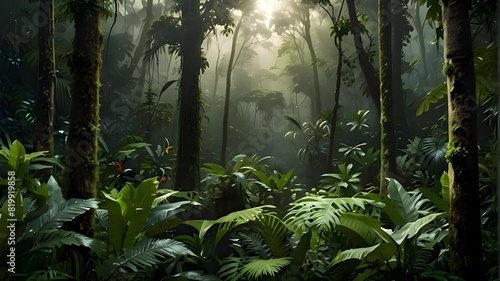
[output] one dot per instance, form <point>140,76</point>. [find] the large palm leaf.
<point>145,254</point>
<point>321,213</point>
<point>53,217</point>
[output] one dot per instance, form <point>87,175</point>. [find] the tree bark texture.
<point>333,120</point>
<point>364,62</point>
<point>188,154</point>
<point>462,153</point>
<point>44,123</point>
<point>387,142</point>
<point>85,64</point>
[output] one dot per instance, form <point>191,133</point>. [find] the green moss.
<point>455,151</point>
<point>448,69</point>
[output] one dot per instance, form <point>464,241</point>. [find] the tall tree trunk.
<point>316,99</point>
<point>44,123</point>
<point>387,142</point>
<point>419,28</point>
<point>187,176</point>
<point>400,28</point>
<point>465,223</point>
<point>81,161</point>
<point>364,62</point>
<point>139,53</point>
<point>230,67</point>
<point>333,121</point>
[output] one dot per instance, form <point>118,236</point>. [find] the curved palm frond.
<point>165,32</point>
<point>320,213</point>
<point>48,239</point>
<point>55,217</point>
<point>258,268</point>
<point>143,255</point>
<point>274,233</point>
<point>434,152</point>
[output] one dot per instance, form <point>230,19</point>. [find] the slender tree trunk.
<point>81,161</point>
<point>364,62</point>
<point>399,31</point>
<point>188,154</point>
<point>419,28</point>
<point>44,123</point>
<point>139,53</point>
<point>316,99</point>
<point>465,223</point>
<point>216,78</point>
<point>387,142</point>
<point>225,118</point>
<point>333,121</point>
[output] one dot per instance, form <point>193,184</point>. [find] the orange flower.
<point>168,148</point>
<point>163,179</point>
<point>119,168</point>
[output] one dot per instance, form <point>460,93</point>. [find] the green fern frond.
<point>55,217</point>
<point>231,269</point>
<point>258,268</point>
<point>56,238</point>
<point>274,233</point>
<point>143,255</point>
<point>253,244</point>
<point>320,213</point>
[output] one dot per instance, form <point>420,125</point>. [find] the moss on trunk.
<point>465,223</point>
<point>388,140</point>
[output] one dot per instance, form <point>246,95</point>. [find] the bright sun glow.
<point>266,6</point>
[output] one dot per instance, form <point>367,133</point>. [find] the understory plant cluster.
<point>246,222</point>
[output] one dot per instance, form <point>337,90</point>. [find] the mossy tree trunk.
<point>364,61</point>
<point>44,123</point>
<point>462,154</point>
<point>336,106</point>
<point>230,67</point>
<point>81,158</point>
<point>188,154</point>
<point>387,142</point>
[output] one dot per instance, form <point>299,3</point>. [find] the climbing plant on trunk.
<point>387,142</point>
<point>81,158</point>
<point>462,153</point>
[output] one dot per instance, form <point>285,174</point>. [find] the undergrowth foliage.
<point>280,231</point>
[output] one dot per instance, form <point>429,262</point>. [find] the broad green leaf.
<point>445,187</point>
<point>137,211</point>
<point>389,207</point>
<point>362,229</point>
<point>435,95</point>
<point>442,204</point>
<point>381,252</point>
<point>404,202</point>
<point>412,228</point>
<point>16,158</point>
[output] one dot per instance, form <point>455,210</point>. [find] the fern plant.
<point>344,183</point>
